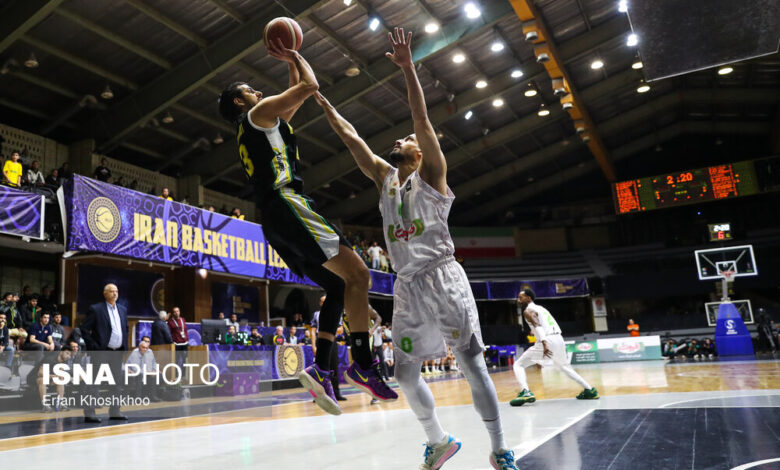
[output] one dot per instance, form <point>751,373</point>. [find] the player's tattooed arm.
<point>433,168</point>
<point>533,319</point>
<point>369,163</point>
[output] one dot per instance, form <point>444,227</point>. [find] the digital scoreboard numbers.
<point>685,187</point>
<point>720,232</point>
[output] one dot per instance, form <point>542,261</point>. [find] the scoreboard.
<point>685,187</point>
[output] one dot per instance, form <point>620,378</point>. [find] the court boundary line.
<point>556,433</point>
<point>665,405</point>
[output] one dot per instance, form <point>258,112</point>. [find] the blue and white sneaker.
<point>503,461</point>
<point>436,455</point>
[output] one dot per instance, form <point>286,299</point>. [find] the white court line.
<point>716,398</point>
<point>553,434</point>
<point>755,464</point>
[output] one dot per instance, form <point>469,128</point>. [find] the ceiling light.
<point>623,6</point>
<point>517,73</point>
<point>498,102</point>
<point>596,64</point>
<point>643,87</point>
<point>725,70</point>
<point>637,65</point>
<point>530,90</point>
<point>168,118</point>
<point>458,58</point>
<point>481,84</point>
<point>31,62</point>
<point>218,139</point>
<point>352,195</point>
<point>352,71</point>
<point>374,24</point>
<point>107,93</point>
<point>440,135</point>
<point>632,40</point>
<point>326,185</point>
<point>347,2</point>
<point>485,131</point>
<point>468,115</point>
<point>431,27</point>
<point>472,11</point>
<point>543,111</point>
<point>497,46</point>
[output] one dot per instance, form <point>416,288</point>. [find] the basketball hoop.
<point>728,275</point>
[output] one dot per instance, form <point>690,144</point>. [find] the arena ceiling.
<point>166,59</point>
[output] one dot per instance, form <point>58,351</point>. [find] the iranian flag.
<point>494,242</point>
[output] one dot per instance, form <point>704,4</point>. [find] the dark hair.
<point>227,108</point>
<point>529,292</point>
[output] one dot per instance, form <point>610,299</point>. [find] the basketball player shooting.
<point>549,347</point>
<point>305,240</point>
<point>433,303</point>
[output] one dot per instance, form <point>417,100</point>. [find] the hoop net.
<point>728,275</point>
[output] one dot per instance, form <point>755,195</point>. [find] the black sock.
<point>361,351</point>
<point>322,358</point>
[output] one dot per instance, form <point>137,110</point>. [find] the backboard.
<point>743,307</point>
<point>712,262</point>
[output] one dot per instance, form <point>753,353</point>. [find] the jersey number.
<point>249,167</point>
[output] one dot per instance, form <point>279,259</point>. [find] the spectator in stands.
<point>12,171</point>
<point>161,333</point>
<point>292,337</point>
<point>211,209</point>
<point>766,337</point>
<point>26,295</point>
<point>40,338</point>
<point>47,301</point>
<point>53,180</point>
<point>307,337</point>
<point>375,253</point>
<point>633,328</point>
<point>384,262</point>
<point>143,358</point>
<point>6,345</point>
<point>388,357</point>
<point>166,195</point>
<point>707,349</point>
<point>178,328</point>
<point>120,182</point>
<point>278,338</point>
<point>231,337</point>
<point>64,356</point>
<point>34,175</point>
<point>236,213</point>
<point>65,172</point>
<point>256,338</point>
<point>297,320</point>
<point>234,321</point>
<point>57,330</point>
<point>30,312</point>
<point>133,185</point>
<point>693,349</point>
<point>14,319</point>
<point>102,173</point>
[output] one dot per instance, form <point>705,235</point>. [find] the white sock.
<point>575,376</point>
<point>420,400</point>
<point>483,393</point>
<point>519,369</point>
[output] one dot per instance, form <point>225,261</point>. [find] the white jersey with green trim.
<point>547,323</point>
<point>414,217</point>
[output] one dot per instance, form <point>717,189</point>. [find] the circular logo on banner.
<point>289,361</point>
<point>584,347</point>
<point>103,219</point>
<point>406,344</point>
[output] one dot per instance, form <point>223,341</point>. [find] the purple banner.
<point>105,218</point>
<point>508,290</point>
<point>21,213</point>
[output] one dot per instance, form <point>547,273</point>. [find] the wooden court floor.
<point>638,378</point>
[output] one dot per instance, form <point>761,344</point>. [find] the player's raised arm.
<point>370,164</point>
<point>287,103</point>
<point>433,168</point>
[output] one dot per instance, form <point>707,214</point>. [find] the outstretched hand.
<point>402,52</point>
<point>276,49</point>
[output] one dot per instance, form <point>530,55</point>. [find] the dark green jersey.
<point>269,156</point>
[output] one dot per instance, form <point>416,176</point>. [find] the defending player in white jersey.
<point>433,303</point>
<point>549,347</point>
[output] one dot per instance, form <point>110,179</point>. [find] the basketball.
<point>104,219</point>
<point>286,29</point>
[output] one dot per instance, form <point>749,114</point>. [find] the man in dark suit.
<point>105,333</point>
<point>161,334</point>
